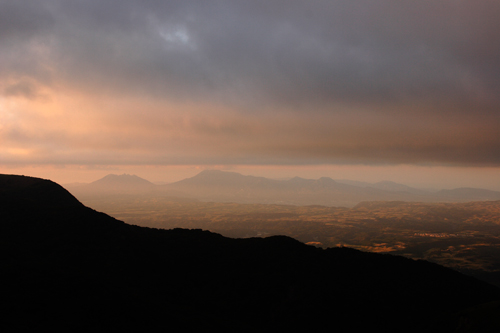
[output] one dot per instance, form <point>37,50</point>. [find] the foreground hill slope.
<point>68,267</point>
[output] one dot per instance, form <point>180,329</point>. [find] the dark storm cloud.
<point>319,50</point>
<point>402,58</point>
<point>23,19</point>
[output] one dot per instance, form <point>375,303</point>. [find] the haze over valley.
<point>248,165</point>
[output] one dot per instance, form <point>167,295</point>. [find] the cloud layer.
<point>250,82</point>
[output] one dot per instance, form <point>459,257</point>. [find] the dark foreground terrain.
<point>68,267</point>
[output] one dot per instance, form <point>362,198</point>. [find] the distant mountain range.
<point>118,184</point>
<point>221,186</point>
<point>66,267</point>
<point>384,185</point>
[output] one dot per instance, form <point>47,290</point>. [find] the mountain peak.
<point>218,173</point>
<point>327,180</point>
<point>123,183</point>
<point>298,179</point>
<point>211,171</point>
<point>122,177</point>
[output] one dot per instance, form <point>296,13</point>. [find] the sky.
<point>400,90</point>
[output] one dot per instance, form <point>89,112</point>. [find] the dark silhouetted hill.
<point>42,193</point>
<point>66,267</point>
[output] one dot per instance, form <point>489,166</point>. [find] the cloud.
<point>260,82</point>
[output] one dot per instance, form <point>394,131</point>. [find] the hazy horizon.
<point>349,173</point>
<point>369,91</point>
